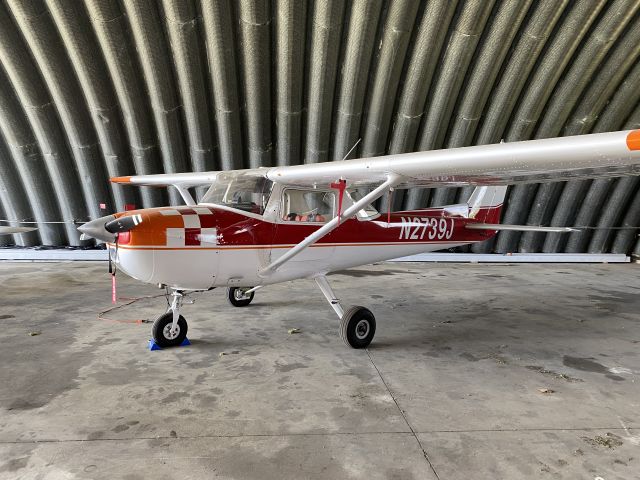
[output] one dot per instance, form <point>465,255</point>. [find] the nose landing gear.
<point>165,335</point>
<point>170,329</point>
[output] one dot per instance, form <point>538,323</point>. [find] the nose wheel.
<point>165,335</point>
<point>170,329</point>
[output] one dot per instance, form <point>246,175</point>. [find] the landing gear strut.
<point>170,329</point>
<point>357,324</point>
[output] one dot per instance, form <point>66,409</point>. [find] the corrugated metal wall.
<point>114,87</point>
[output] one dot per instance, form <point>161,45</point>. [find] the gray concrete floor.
<point>450,388</point>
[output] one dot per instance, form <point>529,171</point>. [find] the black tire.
<point>235,297</point>
<point>161,327</point>
<point>357,327</point>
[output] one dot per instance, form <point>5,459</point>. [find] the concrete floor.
<point>450,388</point>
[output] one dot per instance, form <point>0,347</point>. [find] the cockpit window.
<point>240,190</point>
<point>308,206</point>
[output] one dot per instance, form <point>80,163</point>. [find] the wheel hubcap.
<point>240,295</point>
<point>170,334</point>
<point>362,329</point>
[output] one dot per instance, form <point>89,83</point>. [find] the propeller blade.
<point>11,230</point>
<point>123,224</point>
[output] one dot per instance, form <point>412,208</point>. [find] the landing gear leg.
<point>326,290</point>
<point>357,324</point>
<point>170,329</point>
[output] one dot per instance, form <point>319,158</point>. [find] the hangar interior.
<point>477,371</point>
<point>106,88</point>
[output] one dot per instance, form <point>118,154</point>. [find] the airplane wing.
<point>532,161</point>
<point>181,181</point>
<point>187,180</point>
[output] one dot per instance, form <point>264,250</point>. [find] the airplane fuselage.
<point>205,246</point>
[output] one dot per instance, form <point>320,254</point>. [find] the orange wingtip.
<point>633,140</point>
<point>120,179</point>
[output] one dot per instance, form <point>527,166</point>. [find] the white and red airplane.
<point>262,226</point>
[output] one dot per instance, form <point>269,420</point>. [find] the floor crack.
<point>424,452</point>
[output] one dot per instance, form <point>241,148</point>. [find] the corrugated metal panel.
<point>105,88</point>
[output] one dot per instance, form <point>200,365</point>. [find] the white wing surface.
<point>533,161</point>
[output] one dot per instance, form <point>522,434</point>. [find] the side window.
<point>308,206</point>
<point>368,212</point>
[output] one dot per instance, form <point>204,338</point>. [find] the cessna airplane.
<point>263,226</point>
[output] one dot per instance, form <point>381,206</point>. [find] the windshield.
<point>248,192</point>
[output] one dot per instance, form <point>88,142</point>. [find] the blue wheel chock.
<point>154,346</point>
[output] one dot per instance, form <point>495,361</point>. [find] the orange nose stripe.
<point>633,140</point>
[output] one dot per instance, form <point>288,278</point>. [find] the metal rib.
<point>109,24</point>
<point>326,30</point>
<point>29,164</point>
<point>219,38</point>
<point>154,57</point>
<point>255,58</point>
<point>352,84</point>
<point>32,93</point>
<point>50,56</point>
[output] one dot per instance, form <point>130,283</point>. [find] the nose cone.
<point>95,229</point>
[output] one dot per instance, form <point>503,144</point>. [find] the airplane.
<point>262,226</point>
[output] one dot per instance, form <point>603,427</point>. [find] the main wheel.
<point>162,333</point>
<point>357,327</point>
<point>238,298</point>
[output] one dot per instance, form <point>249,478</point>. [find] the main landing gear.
<point>238,297</point>
<point>357,324</point>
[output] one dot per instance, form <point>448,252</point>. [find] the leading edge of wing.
<point>532,161</point>
<point>188,180</point>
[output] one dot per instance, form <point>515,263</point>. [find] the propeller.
<point>107,228</point>
<point>123,224</point>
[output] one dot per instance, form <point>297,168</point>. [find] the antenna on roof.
<point>352,148</point>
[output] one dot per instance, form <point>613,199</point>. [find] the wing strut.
<point>184,193</point>
<point>331,225</point>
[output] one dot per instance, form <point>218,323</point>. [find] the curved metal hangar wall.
<point>105,87</point>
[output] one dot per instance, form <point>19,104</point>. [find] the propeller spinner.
<point>107,228</point>
<point>123,224</point>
